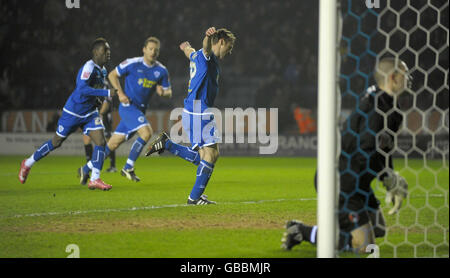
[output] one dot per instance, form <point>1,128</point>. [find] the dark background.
<point>274,62</point>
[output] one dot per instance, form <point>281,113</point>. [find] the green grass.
<point>150,219</point>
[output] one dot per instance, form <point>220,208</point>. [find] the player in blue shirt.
<point>80,111</point>
<point>197,121</point>
<point>143,77</point>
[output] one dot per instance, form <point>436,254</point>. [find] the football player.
<point>365,155</point>
<point>80,111</point>
<point>144,76</point>
<point>197,121</point>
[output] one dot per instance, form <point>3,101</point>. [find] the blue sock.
<point>204,172</point>
<point>98,157</point>
<point>135,151</point>
<point>43,150</point>
<point>183,152</point>
<point>87,168</point>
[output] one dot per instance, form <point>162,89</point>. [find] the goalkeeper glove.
<point>397,190</point>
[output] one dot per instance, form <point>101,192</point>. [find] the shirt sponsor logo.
<point>144,82</point>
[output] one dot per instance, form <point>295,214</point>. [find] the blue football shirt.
<point>204,81</point>
<point>141,80</point>
<point>91,83</point>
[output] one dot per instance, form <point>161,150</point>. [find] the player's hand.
<point>397,190</point>
<point>211,31</point>
<point>123,98</point>
<point>185,44</point>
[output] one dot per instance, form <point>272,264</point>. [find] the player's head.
<point>223,42</point>
<point>151,49</point>
<point>101,52</point>
<point>391,75</point>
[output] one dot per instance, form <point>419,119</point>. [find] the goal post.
<point>327,123</point>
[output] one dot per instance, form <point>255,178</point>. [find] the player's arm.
<point>104,108</point>
<point>163,92</point>
<point>87,90</point>
<point>207,41</point>
<point>113,77</point>
<point>187,49</point>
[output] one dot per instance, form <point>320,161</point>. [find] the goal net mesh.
<point>416,32</point>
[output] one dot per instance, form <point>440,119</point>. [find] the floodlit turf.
<point>150,219</point>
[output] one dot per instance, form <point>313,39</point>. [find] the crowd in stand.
<point>43,43</point>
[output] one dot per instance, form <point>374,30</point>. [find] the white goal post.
<point>327,124</point>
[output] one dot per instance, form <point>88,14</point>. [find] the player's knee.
<point>112,145</point>
<point>213,155</point>
<point>362,237</point>
<point>145,133</point>
<point>216,155</point>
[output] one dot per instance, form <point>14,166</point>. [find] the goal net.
<point>416,32</point>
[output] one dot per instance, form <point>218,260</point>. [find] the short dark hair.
<point>152,39</point>
<point>98,43</point>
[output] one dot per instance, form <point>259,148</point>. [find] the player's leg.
<point>88,149</point>
<point>297,232</point>
<point>112,158</point>
<point>356,232</point>
<point>208,158</point>
<point>163,142</point>
<point>203,134</point>
<point>113,143</point>
<point>40,153</point>
<point>66,125</point>
<point>98,157</point>
<point>107,122</point>
<point>144,132</point>
<point>362,237</point>
<point>376,216</point>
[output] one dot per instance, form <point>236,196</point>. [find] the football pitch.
<point>150,219</point>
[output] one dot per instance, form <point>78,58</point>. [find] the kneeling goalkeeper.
<point>366,153</point>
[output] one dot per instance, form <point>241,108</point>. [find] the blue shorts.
<point>131,119</point>
<point>69,123</point>
<point>201,128</point>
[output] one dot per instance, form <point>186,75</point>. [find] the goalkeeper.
<point>367,146</point>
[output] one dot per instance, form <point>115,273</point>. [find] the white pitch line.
<point>142,208</point>
<point>161,207</point>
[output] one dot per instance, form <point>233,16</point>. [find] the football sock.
<point>112,157</point>
<point>204,172</point>
<point>97,161</point>
<point>88,166</point>
<point>88,149</point>
<point>43,151</point>
<point>309,233</point>
<point>135,151</point>
<point>184,152</point>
